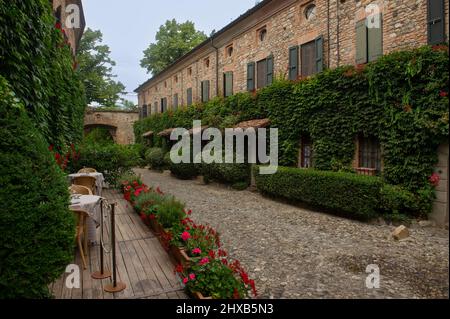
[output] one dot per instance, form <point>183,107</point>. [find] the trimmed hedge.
<point>155,157</point>
<point>356,195</point>
<point>233,173</point>
<point>37,228</point>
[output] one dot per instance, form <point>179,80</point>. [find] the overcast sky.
<point>129,26</point>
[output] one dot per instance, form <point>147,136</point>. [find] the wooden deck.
<point>142,264</point>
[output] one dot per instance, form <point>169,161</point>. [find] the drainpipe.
<point>328,31</point>
<point>337,34</point>
<point>217,65</point>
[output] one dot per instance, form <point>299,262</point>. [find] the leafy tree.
<point>95,68</point>
<point>173,40</point>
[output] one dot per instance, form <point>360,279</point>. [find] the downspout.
<point>338,47</point>
<point>217,65</point>
<point>328,31</point>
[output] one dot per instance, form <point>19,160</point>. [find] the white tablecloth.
<point>99,180</point>
<point>91,205</point>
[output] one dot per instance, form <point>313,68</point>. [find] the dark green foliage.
<point>228,173</point>
<point>155,158</point>
<point>37,228</point>
<point>112,160</point>
<point>99,135</point>
<point>183,170</point>
<point>39,67</point>
<point>356,195</point>
<point>170,212</point>
<point>401,99</point>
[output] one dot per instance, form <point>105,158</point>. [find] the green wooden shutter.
<point>175,102</point>
<point>189,96</point>
<point>251,76</point>
<point>293,63</point>
<point>269,70</point>
<point>228,84</point>
<point>205,91</point>
<point>361,42</point>
<point>319,54</point>
<point>375,40</point>
<point>436,23</point>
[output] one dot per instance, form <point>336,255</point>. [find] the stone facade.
<point>119,123</point>
<point>441,209</point>
<point>73,34</point>
<point>404,25</point>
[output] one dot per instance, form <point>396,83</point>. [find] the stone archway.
<point>111,129</point>
<point>118,123</point>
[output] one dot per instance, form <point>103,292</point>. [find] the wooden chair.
<point>87,170</point>
<point>87,181</point>
<point>79,189</point>
<point>82,235</point>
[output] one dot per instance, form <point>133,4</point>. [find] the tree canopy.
<point>173,40</point>
<point>95,68</point>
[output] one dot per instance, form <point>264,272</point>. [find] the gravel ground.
<point>293,252</point>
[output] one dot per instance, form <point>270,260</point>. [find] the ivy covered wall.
<point>401,99</point>
<point>37,62</point>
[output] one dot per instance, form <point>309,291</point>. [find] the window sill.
<point>366,171</point>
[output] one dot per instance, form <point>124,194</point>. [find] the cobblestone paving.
<point>298,253</point>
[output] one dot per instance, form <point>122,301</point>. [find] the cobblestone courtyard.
<point>297,253</point>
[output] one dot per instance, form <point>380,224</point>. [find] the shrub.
<point>98,135</point>
<point>170,213</point>
<point>148,200</point>
<point>37,228</point>
<point>155,157</point>
<point>356,195</point>
<point>112,160</point>
<point>233,173</point>
<point>398,200</point>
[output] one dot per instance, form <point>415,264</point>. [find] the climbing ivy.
<point>38,64</point>
<point>401,99</point>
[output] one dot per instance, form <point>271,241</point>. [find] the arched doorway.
<point>111,130</point>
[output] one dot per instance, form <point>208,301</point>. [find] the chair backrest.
<point>87,181</point>
<point>87,170</point>
<point>79,189</point>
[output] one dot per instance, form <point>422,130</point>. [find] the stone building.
<point>297,38</point>
<point>70,14</point>
<point>293,38</point>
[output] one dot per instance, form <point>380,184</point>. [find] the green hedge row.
<point>37,228</point>
<point>358,196</point>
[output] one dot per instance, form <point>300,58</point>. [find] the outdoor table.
<point>91,205</point>
<point>99,180</point>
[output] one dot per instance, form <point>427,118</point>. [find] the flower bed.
<point>203,266</point>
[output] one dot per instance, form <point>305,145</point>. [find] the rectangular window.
<point>175,102</point>
<point>228,84</point>
<point>205,91</point>
<point>369,153</point>
<point>251,76</point>
<point>155,108</point>
<point>293,63</point>
<point>308,58</point>
<point>306,153</point>
<point>369,40</point>
<point>261,73</point>
<point>144,111</point>
<point>189,96</point>
<point>436,22</point>
<point>163,105</point>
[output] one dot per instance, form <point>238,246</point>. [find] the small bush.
<point>356,195</point>
<point>147,200</point>
<point>397,200</point>
<point>232,173</point>
<point>170,213</point>
<point>155,158</point>
<point>36,226</point>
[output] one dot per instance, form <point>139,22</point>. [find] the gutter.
<point>217,65</point>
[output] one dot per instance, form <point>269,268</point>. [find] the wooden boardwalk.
<point>142,264</point>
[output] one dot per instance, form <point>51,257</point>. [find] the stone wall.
<point>440,208</point>
<point>120,122</point>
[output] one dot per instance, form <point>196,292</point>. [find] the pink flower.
<point>185,236</point>
<point>192,276</point>
<point>196,251</point>
<point>185,281</point>
<point>204,261</point>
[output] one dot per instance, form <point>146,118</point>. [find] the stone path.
<point>297,253</point>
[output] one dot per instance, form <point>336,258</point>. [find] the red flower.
<point>222,253</point>
<point>212,254</point>
<point>196,251</point>
<point>236,294</point>
<point>192,276</point>
<point>185,281</point>
<point>58,25</point>
<point>185,236</point>
<point>252,284</point>
<point>50,148</point>
<point>443,94</point>
<point>434,179</point>
<point>204,261</point>
<point>179,268</point>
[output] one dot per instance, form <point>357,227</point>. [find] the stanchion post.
<point>116,286</point>
<point>102,274</point>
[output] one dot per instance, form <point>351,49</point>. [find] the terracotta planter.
<point>180,255</point>
<point>154,225</point>
<point>198,295</point>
